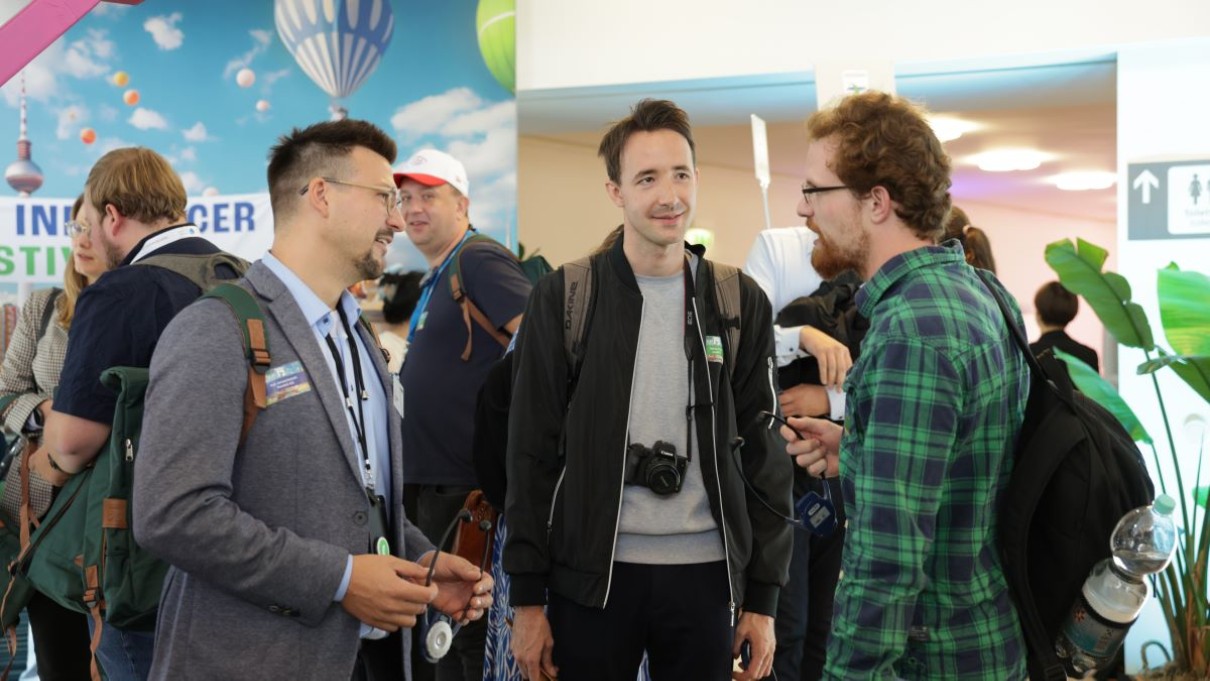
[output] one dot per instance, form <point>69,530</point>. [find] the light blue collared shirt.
<point>325,322</point>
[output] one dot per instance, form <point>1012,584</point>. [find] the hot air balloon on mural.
<point>338,43</point>
<point>496,23</point>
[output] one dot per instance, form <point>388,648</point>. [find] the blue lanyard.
<point>426,289</point>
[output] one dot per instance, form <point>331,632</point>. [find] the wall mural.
<point>212,85</point>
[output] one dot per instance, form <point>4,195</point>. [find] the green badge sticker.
<point>420,322</point>
<point>383,548</point>
<point>714,349</point>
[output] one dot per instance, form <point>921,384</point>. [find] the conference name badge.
<point>714,349</point>
<point>284,382</point>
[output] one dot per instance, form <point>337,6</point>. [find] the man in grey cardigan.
<point>291,555</point>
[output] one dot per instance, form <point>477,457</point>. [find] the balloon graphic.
<point>245,77</point>
<point>88,135</point>
<point>262,105</point>
<point>496,22</point>
<point>121,78</point>
<point>131,97</point>
<point>337,43</point>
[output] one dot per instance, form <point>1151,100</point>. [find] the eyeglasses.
<point>75,228</point>
<point>391,198</point>
<point>808,193</point>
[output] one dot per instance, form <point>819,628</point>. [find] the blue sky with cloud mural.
<point>431,89</point>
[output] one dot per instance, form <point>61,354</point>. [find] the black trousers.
<point>432,507</point>
<point>380,660</point>
<point>60,640</point>
<point>678,614</point>
<point>804,606</point>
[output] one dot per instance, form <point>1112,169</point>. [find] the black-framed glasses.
<point>391,198</point>
<point>809,192</point>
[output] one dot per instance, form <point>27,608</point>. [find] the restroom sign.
<point>1168,200</point>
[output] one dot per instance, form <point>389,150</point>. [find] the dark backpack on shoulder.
<point>1076,473</point>
<point>534,268</point>
<point>83,555</point>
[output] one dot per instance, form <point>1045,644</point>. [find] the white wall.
<point>1163,106</point>
<point>573,43</point>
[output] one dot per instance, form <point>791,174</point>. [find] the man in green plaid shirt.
<point>935,405</point>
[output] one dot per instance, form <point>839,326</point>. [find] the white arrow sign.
<point>1146,181</point>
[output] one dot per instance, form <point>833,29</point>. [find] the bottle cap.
<point>1164,504</point>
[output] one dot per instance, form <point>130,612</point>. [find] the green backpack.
<point>83,554</point>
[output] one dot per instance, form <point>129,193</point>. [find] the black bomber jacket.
<point>565,460</point>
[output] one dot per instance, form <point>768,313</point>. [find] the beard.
<point>113,257</point>
<point>368,265</point>
<point>830,260</point>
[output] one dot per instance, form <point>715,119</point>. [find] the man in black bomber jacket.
<point>688,573</point>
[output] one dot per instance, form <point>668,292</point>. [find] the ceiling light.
<point>947,129</point>
<point>1008,160</point>
<point>1082,180</point>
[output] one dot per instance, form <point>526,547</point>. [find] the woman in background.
<point>30,374</point>
<point>974,240</point>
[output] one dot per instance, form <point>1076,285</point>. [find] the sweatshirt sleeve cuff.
<point>527,590</point>
<point>761,598</point>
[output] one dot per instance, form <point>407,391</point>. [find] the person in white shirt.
<point>780,262</point>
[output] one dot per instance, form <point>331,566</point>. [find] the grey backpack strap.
<point>726,292</point>
<point>577,296</point>
<point>200,269</point>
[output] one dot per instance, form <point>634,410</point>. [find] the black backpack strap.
<point>726,292</point>
<point>48,312</point>
<point>251,321</point>
<point>1044,664</point>
<point>577,299</point>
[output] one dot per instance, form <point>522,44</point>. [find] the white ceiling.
<point>1067,110</point>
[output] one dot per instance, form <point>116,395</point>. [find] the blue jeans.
<point>124,654</point>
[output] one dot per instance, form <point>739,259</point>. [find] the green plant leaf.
<point>1202,496</point>
<point>1108,293</point>
<point>1185,310</point>
<point>1089,382</point>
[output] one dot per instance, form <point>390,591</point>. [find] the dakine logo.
<point>571,303</point>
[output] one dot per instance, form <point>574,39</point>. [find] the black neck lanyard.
<point>358,416</point>
<point>690,331</point>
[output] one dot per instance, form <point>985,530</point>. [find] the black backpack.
<point>1076,473</point>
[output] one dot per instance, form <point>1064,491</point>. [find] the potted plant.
<point>1184,305</point>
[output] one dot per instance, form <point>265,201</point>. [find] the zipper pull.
<point>731,605</point>
<point>129,450</point>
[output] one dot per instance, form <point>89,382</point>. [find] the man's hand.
<point>533,643</point>
<point>464,592</point>
<point>804,400</point>
<point>758,630</point>
<point>819,450</point>
<point>833,356</point>
<point>385,592</point>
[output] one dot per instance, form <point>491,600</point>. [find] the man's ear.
<point>117,221</point>
<point>464,206</point>
<point>615,193</point>
<point>880,204</point>
<point>316,196</point>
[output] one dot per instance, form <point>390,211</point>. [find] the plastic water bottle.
<point>1114,593</point>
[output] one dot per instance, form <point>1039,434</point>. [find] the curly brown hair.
<point>885,141</point>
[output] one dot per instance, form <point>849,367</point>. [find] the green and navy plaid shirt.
<point>935,405</point>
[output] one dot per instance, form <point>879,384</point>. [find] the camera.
<point>658,467</point>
